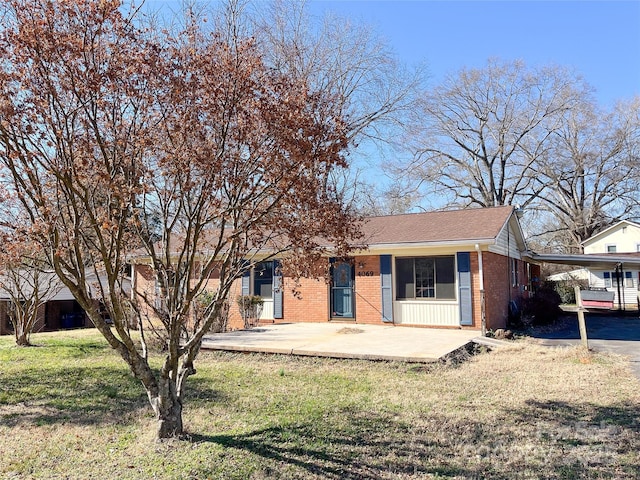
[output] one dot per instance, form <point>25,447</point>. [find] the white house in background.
<point>622,240</point>
<point>623,237</point>
<point>578,274</point>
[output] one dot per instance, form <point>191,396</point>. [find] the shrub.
<point>566,289</point>
<point>250,309</point>
<point>202,303</point>
<point>544,307</point>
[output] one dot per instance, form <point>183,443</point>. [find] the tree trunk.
<point>21,334</point>
<point>167,406</point>
<point>22,340</point>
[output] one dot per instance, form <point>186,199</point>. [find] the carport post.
<point>581,324</point>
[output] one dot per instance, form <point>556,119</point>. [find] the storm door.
<point>342,296</point>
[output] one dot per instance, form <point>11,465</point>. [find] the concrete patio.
<point>345,340</point>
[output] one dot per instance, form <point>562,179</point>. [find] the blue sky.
<point>599,39</point>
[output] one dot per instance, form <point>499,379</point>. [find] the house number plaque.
<point>366,274</point>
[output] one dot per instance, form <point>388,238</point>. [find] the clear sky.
<point>599,39</point>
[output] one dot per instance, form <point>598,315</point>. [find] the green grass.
<point>70,409</point>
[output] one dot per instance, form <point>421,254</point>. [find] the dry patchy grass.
<point>69,409</point>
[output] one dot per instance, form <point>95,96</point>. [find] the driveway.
<point>609,333</point>
<point>345,340</point>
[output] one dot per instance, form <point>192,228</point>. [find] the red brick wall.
<point>499,288</point>
<point>235,321</point>
<point>4,319</point>
<point>308,299</point>
<point>40,324</point>
<point>368,290</point>
<point>305,301</point>
<point>497,284</point>
<point>145,283</point>
<point>5,325</point>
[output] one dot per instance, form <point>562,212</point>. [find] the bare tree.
<point>591,172</point>
<point>344,60</point>
<point>351,64</point>
<point>182,149</point>
<point>26,284</point>
<point>482,131</point>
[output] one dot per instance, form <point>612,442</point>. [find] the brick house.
<point>423,269</point>
<point>59,311</point>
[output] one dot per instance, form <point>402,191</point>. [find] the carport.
<point>607,332</point>
<point>615,262</point>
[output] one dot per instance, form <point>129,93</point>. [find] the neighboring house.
<point>60,311</point>
<point>580,274</point>
<point>424,269</point>
<point>621,239</point>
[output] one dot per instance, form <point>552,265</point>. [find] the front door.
<point>342,297</point>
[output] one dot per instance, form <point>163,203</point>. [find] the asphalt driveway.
<point>609,333</point>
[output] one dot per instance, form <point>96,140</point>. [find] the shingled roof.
<point>470,224</point>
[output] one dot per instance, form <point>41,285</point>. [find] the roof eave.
<point>451,243</point>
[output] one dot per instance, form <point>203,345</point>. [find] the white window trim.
<point>432,300</point>
<point>628,280</point>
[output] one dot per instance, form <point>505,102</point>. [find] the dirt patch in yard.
<point>350,330</point>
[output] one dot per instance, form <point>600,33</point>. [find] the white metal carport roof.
<point>591,261</point>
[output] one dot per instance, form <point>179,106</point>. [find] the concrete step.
<point>491,342</point>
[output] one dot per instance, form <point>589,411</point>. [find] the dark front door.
<point>342,297</point>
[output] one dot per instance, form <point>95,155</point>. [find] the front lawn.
<point>70,409</point>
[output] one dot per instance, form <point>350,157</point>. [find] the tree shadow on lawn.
<point>543,440</point>
<point>606,438</point>
<point>560,412</point>
<point>360,445</point>
<point>79,395</point>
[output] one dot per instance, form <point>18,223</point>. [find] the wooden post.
<point>581,324</point>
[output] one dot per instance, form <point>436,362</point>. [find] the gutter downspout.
<point>483,317</point>
<point>133,282</point>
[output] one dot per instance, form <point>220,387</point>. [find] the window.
<point>426,277</point>
<point>628,279</point>
<point>514,273</point>
<point>611,279</point>
<point>611,249</point>
<point>263,279</point>
<point>128,270</point>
